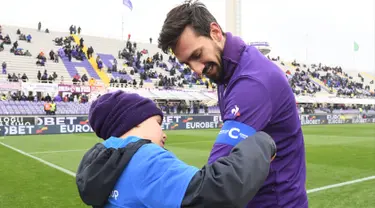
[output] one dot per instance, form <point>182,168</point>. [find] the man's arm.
<point>247,108</point>
<point>232,181</point>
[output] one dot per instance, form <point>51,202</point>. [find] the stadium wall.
<point>18,125</point>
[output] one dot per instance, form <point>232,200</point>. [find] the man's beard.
<point>215,77</point>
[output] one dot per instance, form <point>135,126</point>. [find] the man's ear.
<point>215,32</point>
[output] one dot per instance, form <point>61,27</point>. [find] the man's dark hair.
<point>191,12</point>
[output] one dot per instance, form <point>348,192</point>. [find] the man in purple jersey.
<point>254,96</point>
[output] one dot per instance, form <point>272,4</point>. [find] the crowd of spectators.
<point>181,107</point>
<point>336,80</point>
<point>144,64</point>
<point>37,97</point>
<point>312,108</point>
<point>139,61</point>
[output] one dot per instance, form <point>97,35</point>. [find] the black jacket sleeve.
<point>232,181</point>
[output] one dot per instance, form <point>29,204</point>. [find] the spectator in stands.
<point>84,78</point>
<point>14,96</point>
<point>19,52</point>
<point>40,62</point>
<point>22,37</point>
<point>81,42</point>
<point>44,77</point>
<point>57,98</point>
<point>24,77</point>
<point>76,79</point>
<point>27,53</point>
<point>41,59</point>
<point>28,38</point>
<point>47,107</point>
<point>99,62</point>
<point>90,51</point>
<point>4,66</point>
<point>39,75</point>
<point>66,98</point>
<point>52,55</point>
<point>67,51</point>
<point>72,29</point>
<point>1,45</point>
<point>23,97</point>
<point>56,58</point>
<point>78,53</point>
<point>47,98</point>
<point>53,108</point>
<point>3,97</point>
<point>50,79</point>
<point>7,40</point>
<point>83,98</point>
<point>79,30</point>
<point>13,78</point>
<point>92,82</point>
<point>39,26</point>
<point>30,97</point>
<point>59,41</point>
<point>41,56</point>
<point>15,44</point>
<point>54,75</point>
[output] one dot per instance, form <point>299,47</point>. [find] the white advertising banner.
<point>39,87</point>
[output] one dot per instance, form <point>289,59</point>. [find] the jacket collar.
<point>233,48</point>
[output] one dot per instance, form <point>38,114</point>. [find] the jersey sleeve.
<point>161,179</point>
<point>247,110</point>
<point>232,181</point>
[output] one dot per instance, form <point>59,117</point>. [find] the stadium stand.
<point>78,68</point>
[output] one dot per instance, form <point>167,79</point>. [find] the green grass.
<point>334,154</point>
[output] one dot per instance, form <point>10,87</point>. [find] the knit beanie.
<point>114,114</point>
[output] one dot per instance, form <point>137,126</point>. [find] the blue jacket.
<point>150,171</point>
<point>135,173</point>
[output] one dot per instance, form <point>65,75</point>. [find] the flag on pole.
<point>356,46</point>
<point>128,4</point>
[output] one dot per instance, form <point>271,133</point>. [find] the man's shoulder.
<point>255,66</point>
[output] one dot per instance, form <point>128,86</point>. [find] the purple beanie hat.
<point>114,114</point>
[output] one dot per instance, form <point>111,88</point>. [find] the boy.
<point>131,168</point>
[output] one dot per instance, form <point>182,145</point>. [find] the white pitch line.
<point>57,151</point>
<point>73,174</point>
<point>340,184</point>
<point>41,160</point>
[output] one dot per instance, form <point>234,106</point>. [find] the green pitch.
<point>335,154</point>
